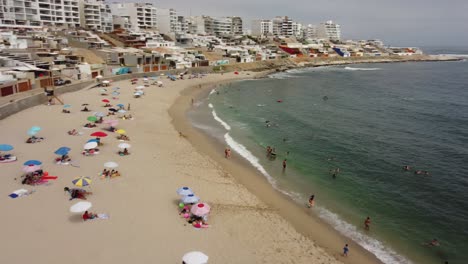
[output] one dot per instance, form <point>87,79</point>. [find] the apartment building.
<point>297,30</point>
<point>167,21</point>
<point>310,32</point>
<point>237,25</point>
<point>329,30</point>
<point>62,13</point>
<point>262,27</point>
<point>282,26</point>
<point>140,15</point>
<point>96,15</point>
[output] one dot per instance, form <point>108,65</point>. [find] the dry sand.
<point>144,225</point>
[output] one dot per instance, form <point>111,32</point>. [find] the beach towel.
<point>20,193</point>
<point>103,216</point>
<point>49,177</point>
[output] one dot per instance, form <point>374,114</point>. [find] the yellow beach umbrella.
<point>120,131</point>
<point>82,181</point>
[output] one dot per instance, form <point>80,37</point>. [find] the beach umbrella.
<point>99,77</point>
<point>90,145</point>
<point>5,147</point>
<point>195,257</point>
<point>35,128</point>
<point>116,88</point>
<point>92,118</point>
<point>140,87</point>
<point>67,106</point>
<point>115,93</point>
<point>122,111</point>
<point>184,191</point>
<point>62,151</point>
<point>124,145</point>
<point>32,132</point>
<point>105,101</point>
<point>82,181</point>
<point>120,131</point>
<point>99,134</point>
<point>159,82</point>
<point>111,165</point>
<point>138,93</point>
<point>190,199</point>
<point>111,122</point>
<point>120,105</point>
<point>32,162</point>
<point>81,207</point>
<point>92,140</point>
<point>103,90</point>
<point>106,82</point>
<point>31,168</point>
<point>113,110</point>
<point>99,114</point>
<point>200,209</point>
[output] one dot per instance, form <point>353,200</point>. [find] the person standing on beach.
<point>312,201</point>
<point>284,164</point>
<point>128,107</point>
<point>226,153</point>
<point>367,224</point>
<point>345,250</point>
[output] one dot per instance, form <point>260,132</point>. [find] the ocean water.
<point>375,119</point>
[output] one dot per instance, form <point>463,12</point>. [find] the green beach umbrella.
<point>92,118</point>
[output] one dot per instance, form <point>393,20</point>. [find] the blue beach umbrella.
<point>184,191</point>
<point>32,162</point>
<point>92,140</point>
<point>99,114</point>
<point>5,147</point>
<point>35,128</point>
<point>191,198</point>
<point>120,105</point>
<point>62,151</point>
<point>115,93</point>
<point>32,132</point>
<point>116,88</point>
<point>67,106</point>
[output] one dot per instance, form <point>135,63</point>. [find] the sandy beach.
<point>249,222</point>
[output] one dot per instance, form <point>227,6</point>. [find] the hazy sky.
<point>398,22</point>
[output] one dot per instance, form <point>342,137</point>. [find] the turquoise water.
<point>378,118</point>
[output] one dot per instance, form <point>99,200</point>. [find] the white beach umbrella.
<point>124,145</point>
<point>111,165</point>
<point>99,77</point>
<point>105,82</point>
<point>90,145</point>
<point>184,191</point>
<point>80,207</point>
<point>99,114</point>
<point>140,87</point>
<point>190,199</point>
<point>122,111</point>
<point>195,257</point>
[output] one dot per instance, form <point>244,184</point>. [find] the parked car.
<point>59,82</point>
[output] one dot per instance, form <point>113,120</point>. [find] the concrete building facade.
<point>262,27</point>
<point>329,30</point>
<point>62,13</point>
<point>140,15</point>
<point>96,15</point>
<point>167,21</point>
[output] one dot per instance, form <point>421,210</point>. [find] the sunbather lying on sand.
<point>123,137</point>
<point>124,152</point>
<point>34,139</point>
<point>89,216</point>
<point>76,193</point>
<point>89,125</point>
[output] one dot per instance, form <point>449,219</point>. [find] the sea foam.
<point>216,117</point>
<point>361,69</point>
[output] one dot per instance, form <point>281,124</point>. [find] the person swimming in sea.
<point>406,168</point>
<point>325,98</point>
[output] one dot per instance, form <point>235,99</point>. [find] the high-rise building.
<point>140,15</point>
<point>167,20</point>
<point>62,13</point>
<point>237,26</point>
<point>329,30</point>
<point>297,30</point>
<point>262,27</point>
<point>96,15</point>
<point>282,26</point>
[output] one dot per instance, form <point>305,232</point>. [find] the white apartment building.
<point>297,30</point>
<point>222,26</point>
<point>329,30</point>
<point>63,13</point>
<point>282,26</point>
<point>167,21</point>
<point>140,15</point>
<point>96,15</point>
<point>262,27</point>
<point>310,32</point>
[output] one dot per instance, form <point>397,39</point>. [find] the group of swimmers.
<point>417,172</point>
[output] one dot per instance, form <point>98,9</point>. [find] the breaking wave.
<point>361,69</point>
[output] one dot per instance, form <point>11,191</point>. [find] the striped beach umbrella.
<point>82,181</point>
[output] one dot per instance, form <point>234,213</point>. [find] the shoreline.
<point>301,218</point>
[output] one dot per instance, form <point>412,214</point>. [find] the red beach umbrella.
<point>105,101</point>
<point>200,209</point>
<point>99,134</point>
